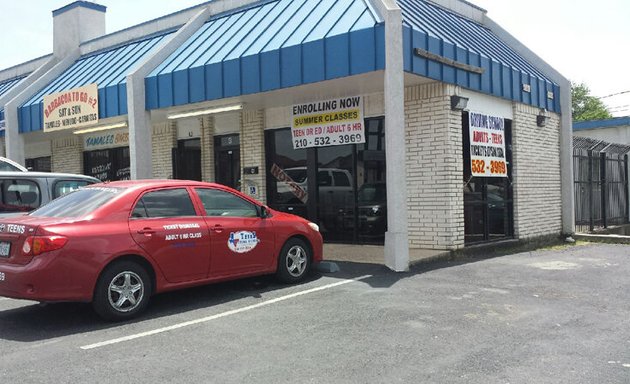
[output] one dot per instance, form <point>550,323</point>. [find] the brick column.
<point>253,152</point>
<point>434,168</point>
<point>164,139</point>
<point>207,148</point>
<point>67,155</point>
<point>536,174</point>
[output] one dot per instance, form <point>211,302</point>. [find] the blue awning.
<point>452,37</point>
<point>605,123</point>
<point>271,45</point>
<point>108,69</point>
<point>6,86</point>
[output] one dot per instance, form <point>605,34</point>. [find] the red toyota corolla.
<point>116,244</point>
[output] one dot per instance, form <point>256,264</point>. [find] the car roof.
<point>156,183</point>
<point>13,163</point>
<point>35,175</point>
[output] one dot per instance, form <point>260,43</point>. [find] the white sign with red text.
<point>487,145</point>
<point>74,108</point>
<point>329,122</point>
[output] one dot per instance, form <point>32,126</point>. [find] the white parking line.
<point>220,315</point>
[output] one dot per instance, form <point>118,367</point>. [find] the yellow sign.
<point>71,109</point>
<point>329,122</point>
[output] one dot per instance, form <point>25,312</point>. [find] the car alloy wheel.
<point>294,261</point>
<point>122,291</point>
<point>126,291</point>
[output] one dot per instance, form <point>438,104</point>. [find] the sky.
<point>587,41</point>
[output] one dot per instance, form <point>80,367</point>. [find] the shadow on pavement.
<point>40,322</point>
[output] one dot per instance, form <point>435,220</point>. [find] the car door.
<point>242,242</point>
<point>165,224</point>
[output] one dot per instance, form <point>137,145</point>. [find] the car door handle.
<point>217,228</point>
<point>146,231</point>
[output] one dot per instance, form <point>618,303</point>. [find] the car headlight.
<point>314,226</point>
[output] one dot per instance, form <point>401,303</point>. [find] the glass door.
<point>341,188</point>
<point>187,160</point>
<point>227,164</point>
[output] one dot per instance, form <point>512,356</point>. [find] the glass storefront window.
<point>108,164</point>
<point>342,174</point>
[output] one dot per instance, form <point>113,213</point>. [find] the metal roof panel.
<point>269,45</point>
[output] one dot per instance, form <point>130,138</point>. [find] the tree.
<point>585,106</point>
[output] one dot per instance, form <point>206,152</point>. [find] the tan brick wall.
<point>207,148</point>
<point>67,155</point>
<point>164,140</point>
<point>536,174</point>
<point>434,168</point>
<point>253,151</point>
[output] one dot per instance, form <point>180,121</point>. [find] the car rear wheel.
<point>122,291</point>
<point>294,261</point>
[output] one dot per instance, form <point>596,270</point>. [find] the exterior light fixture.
<point>101,128</point>
<point>542,118</point>
<point>459,103</point>
<point>209,111</point>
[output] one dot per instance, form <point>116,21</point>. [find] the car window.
<point>222,203</point>
<point>165,203</point>
<point>65,186</point>
<point>341,179</point>
<point>19,195</point>
<point>324,179</point>
<point>78,203</point>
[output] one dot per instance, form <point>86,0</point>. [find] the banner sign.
<point>75,108</point>
<point>289,184</point>
<point>106,140</point>
<point>326,123</point>
<point>487,145</point>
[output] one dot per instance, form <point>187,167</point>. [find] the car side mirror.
<point>264,211</point>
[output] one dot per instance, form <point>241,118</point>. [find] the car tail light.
<point>36,245</point>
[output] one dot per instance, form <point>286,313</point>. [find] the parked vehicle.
<point>116,244</point>
<point>22,192</point>
<point>372,210</point>
<point>8,165</point>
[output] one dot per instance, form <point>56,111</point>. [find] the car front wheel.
<point>122,291</point>
<point>294,261</point>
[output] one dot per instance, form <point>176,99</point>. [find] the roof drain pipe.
<point>397,235</point>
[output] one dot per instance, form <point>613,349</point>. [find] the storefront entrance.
<point>107,164</point>
<point>227,162</point>
<point>349,202</point>
<point>187,160</point>
<point>488,201</point>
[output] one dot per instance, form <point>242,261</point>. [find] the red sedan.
<point>115,244</point>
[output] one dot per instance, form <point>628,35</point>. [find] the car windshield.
<point>78,203</point>
<point>298,175</point>
<point>372,193</point>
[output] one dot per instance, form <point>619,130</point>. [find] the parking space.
<point>550,316</point>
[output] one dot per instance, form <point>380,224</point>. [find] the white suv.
<point>10,165</point>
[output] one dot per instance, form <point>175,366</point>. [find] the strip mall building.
<point>417,123</point>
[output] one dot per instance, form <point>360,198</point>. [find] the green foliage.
<point>585,106</point>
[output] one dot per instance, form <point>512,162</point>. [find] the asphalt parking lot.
<point>549,316</point>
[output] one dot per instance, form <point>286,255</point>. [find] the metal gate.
<point>600,174</point>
